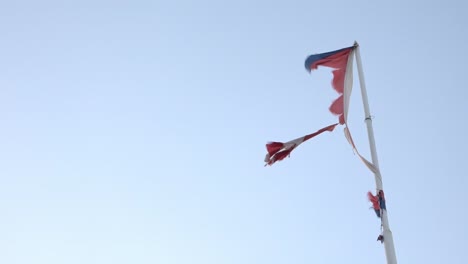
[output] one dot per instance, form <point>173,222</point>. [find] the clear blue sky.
<point>134,132</point>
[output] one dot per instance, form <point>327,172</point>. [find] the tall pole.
<point>386,232</point>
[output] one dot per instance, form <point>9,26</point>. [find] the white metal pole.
<point>387,233</point>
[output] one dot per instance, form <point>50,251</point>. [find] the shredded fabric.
<point>375,203</point>
<point>341,61</point>
<point>278,151</point>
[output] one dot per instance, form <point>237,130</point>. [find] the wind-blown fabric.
<point>341,61</point>
<point>364,160</point>
<point>278,151</point>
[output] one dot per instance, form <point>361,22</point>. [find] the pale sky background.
<point>135,131</point>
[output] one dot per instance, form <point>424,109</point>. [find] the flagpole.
<point>386,232</point>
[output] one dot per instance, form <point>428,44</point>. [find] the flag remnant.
<point>278,151</point>
<point>341,61</point>
<point>378,202</point>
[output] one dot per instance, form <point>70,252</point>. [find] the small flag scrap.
<point>278,151</point>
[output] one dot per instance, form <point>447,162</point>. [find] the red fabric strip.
<point>328,128</point>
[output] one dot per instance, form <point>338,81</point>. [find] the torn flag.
<point>278,151</point>
<point>342,63</point>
